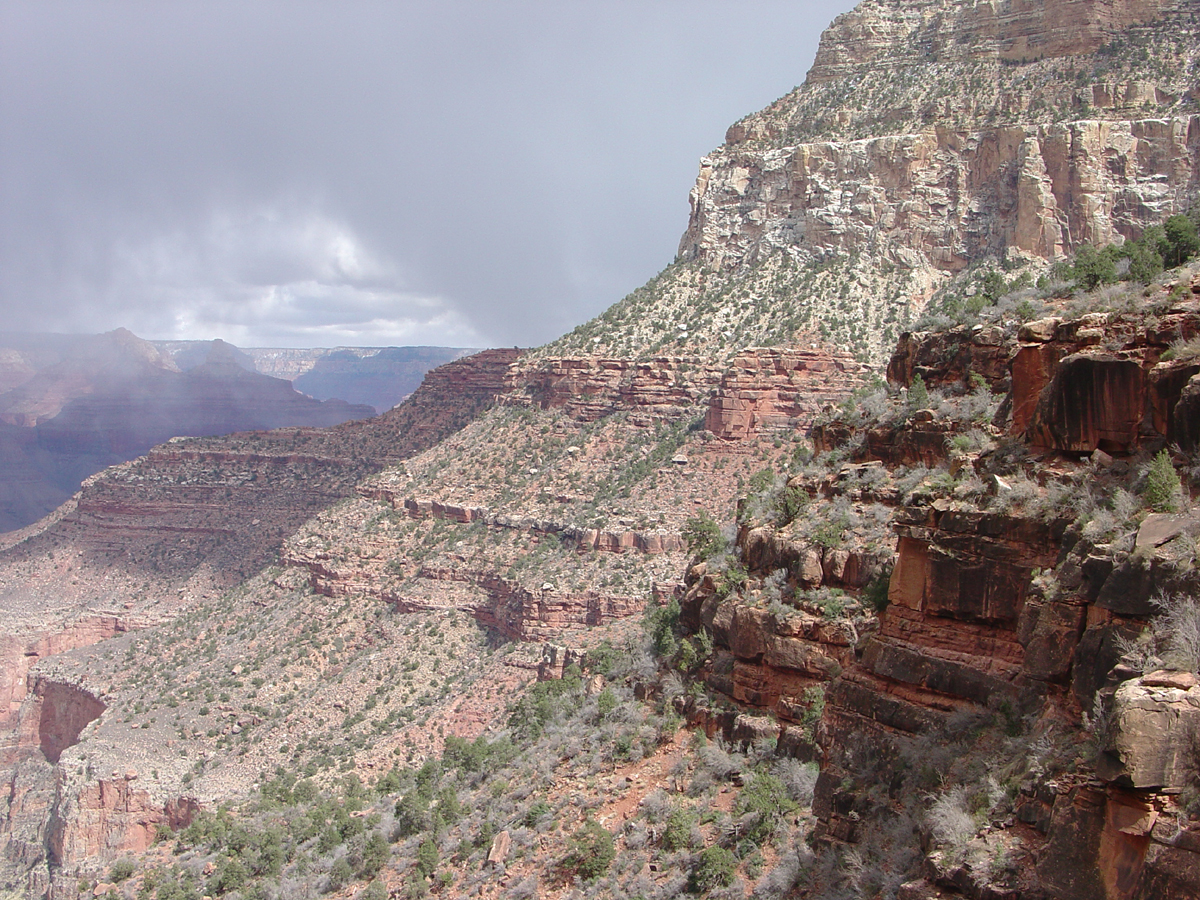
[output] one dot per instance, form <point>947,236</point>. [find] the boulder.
<point>1154,733</point>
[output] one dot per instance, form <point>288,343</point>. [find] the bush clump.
<point>714,868</point>
<point>1163,487</point>
<point>591,851</point>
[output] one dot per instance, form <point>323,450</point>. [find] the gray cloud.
<point>311,174</point>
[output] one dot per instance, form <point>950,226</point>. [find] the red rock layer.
<point>605,540</point>
<point>589,388</point>
<point>779,390</point>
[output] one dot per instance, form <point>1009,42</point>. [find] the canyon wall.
<point>1022,612</point>
<point>937,200</point>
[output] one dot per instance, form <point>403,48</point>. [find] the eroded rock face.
<point>1154,732</point>
<point>951,358</point>
<point>605,540</point>
<point>779,390</point>
<point>1095,401</point>
<point>66,709</point>
<point>589,388</point>
<point>873,32</point>
<point>943,198</point>
<point>111,816</point>
<point>1099,381</point>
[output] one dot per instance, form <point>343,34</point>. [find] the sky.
<point>348,173</point>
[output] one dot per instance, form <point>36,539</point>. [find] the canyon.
<point>750,527</point>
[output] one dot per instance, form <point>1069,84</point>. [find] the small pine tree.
<point>918,394</point>
<point>1182,240</point>
<point>703,536</point>
<point>716,867</point>
<point>1163,487</point>
<point>427,857</point>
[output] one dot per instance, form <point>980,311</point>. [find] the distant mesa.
<point>71,405</point>
<point>377,376</point>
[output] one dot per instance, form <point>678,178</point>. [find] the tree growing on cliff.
<point>1182,241</point>
<point>1163,489</point>
<point>918,394</point>
<point>703,536</point>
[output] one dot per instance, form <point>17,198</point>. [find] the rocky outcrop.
<point>111,816</point>
<point>1100,381</point>
<point>893,35</point>
<point>779,390</point>
<point>589,388</point>
<point>920,439</point>
<point>516,611</point>
<point>950,358</point>
<point>945,198</point>
<point>603,540</point>
<point>64,710</point>
<point>1154,732</point>
<point>19,653</point>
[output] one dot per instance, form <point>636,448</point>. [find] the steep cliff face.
<point>927,139</point>
<point>894,35</point>
<point>1006,649</point>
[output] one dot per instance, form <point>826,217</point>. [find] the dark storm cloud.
<point>356,173</point>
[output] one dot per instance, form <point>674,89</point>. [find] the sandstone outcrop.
<point>589,388</point>
<point>927,140</point>
<point>1153,732</point>
<point>779,390</point>
<point>940,196</point>
<point>1100,381</point>
<point>993,609</point>
<point>894,36</point>
<point>604,540</point>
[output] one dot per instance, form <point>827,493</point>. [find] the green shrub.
<point>830,531</point>
<point>591,851</point>
<point>703,536</point>
<point>1163,487</point>
<point>677,834</point>
<point>715,868</point>
<point>918,394</point>
<point>606,702</point>
<point>602,659</point>
<point>544,699</point>
<point>538,811</point>
<point>765,796</point>
<point>1182,240</point>
<point>121,870</point>
<point>662,622</point>
<point>1093,268</point>
<point>375,854</point>
<point>876,593</point>
<point>731,580</point>
<point>788,504</point>
<point>412,815</point>
<point>814,700</point>
<point>231,875</point>
<point>427,857</point>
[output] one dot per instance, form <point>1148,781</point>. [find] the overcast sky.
<point>341,173</point>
